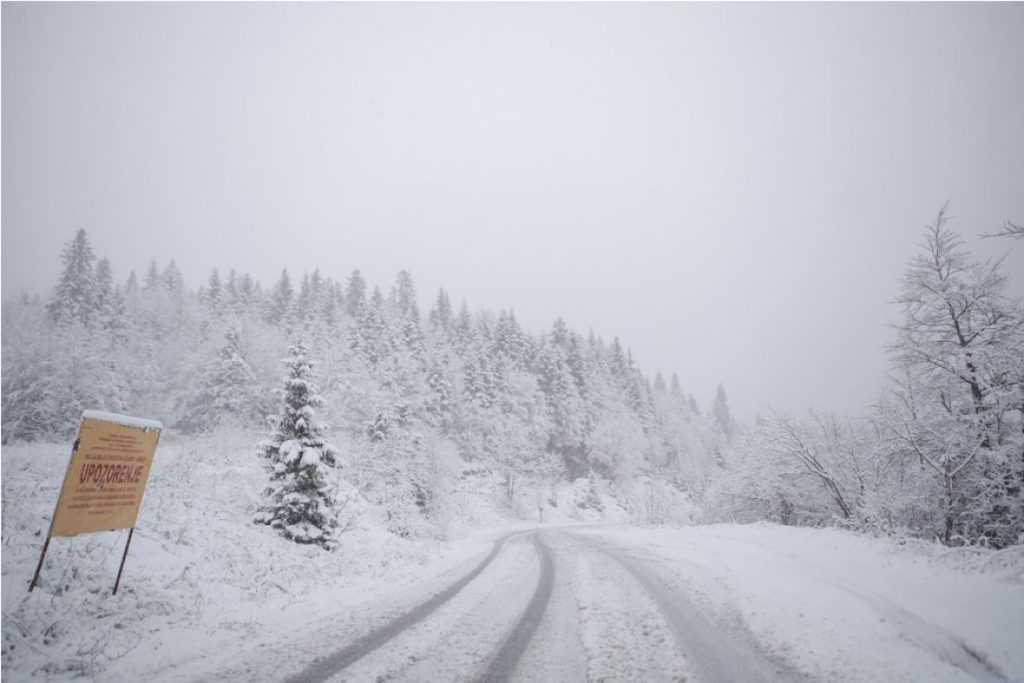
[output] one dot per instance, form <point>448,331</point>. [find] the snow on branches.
<point>299,499</point>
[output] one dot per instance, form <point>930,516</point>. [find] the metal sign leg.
<point>39,567</point>
<point>123,558</point>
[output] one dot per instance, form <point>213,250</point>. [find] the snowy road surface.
<point>592,604</point>
<point>491,631</point>
<point>619,603</point>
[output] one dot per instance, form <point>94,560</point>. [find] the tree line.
<point>420,403</point>
<point>415,401</point>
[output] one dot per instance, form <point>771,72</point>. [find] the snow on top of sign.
<point>126,420</point>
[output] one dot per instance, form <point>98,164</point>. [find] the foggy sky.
<point>733,190</point>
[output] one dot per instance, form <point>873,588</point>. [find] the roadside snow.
<point>842,607</point>
<point>202,585</point>
<point>208,595</point>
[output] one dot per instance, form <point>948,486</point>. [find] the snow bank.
<point>845,607</point>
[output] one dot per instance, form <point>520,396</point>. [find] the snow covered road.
<point>755,602</point>
<point>618,621</point>
<point>745,604</point>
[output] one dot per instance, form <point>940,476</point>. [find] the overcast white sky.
<point>731,189</point>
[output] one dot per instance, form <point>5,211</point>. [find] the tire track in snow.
<point>322,669</point>
<point>504,662</point>
<point>929,637</point>
<point>621,630</point>
<point>713,653</point>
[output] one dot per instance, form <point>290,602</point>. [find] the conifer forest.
<point>351,391</point>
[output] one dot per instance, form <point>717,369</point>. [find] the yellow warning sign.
<point>107,475</point>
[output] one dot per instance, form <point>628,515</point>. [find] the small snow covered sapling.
<point>299,502</point>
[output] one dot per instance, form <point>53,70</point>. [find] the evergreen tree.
<point>152,279</point>
<point>377,299</point>
<point>405,295</point>
<point>316,287</point>
<point>304,309</point>
<point>172,280</point>
<point>110,306</point>
<point>463,329</point>
<point>412,338</point>
<point>355,294</point>
<point>214,290</point>
<point>74,298</point>
<point>439,404</point>
<point>131,294</point>
<point>231,290</point>
<point>371,337</point>
<point>225,393</point>
<point>511,345</point>
<point>659,383</point>
<point>619,363</point>
<point>300,503</point>
<point>565,406</point>
<point>248,293</point>
<point>333,301</point>
<point>280,300</point>
<point>721,414</point>
<point>441,314</point>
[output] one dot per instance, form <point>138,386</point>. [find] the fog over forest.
<point>716,184</point>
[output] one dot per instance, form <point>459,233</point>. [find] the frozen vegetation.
<point>294,506</point>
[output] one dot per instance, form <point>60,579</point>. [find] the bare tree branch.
<point>1009,229</point>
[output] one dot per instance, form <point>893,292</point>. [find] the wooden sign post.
<point>105,479</point>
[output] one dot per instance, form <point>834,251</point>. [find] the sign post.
<point>105,479</point>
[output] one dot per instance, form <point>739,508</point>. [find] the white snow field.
<point>209,596</point>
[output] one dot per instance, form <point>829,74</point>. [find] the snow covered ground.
<point>207,595</point>
<point>839,607</point>
<point>201,579</point>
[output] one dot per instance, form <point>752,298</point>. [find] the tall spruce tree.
<point>355,294</point>
<point>441,315</point>
<point>723,418</point>
<point>109,306</point>
<point>299,501</point>
<point>280,302</point>
<point>74,298</point>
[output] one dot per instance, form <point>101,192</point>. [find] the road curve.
<point>512,649</point>
<point>324,668</point>
<point>471,640</point>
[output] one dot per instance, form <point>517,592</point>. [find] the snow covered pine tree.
<point>300,503</point>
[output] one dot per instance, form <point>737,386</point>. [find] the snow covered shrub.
<point>592,498</point>
<point>396,468</point>
<point>616,446</point>
<point>300,502</point>
<point>654,501</point>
